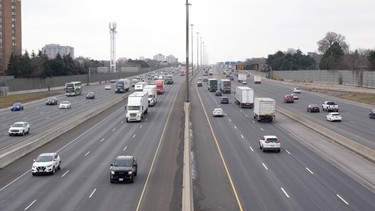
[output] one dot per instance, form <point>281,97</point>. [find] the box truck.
<point>244,96</point>
<point>138,87</point>
<point>242,77</point>
<point>225,86</point>
<point>137,106</point>
<point>264,109</point>
<point>212,84</point>
<point>159,86</point>
<point>257,79</point>
<point>152,94</point>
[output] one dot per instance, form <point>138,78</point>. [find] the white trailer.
<point>257,79</point>
<point>264,109</point>
<point>138,87</point>
<point>244,96</point>
<point>152,94</point>
<point>242,77</point>
<point>137,106</point>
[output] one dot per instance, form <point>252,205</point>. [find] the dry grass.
<point>7,101</point>
<point>367,98</point>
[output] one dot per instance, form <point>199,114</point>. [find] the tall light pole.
<point>197,50</point>
<point>112,31</point>
<point>192,47</point>
<point>187,51</point>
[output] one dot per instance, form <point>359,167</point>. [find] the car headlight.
<point>130,172</point>
<point>112,172</point>
<point>49,166</point>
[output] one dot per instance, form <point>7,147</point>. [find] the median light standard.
<point>187,51</point>
<point>197,50</point>
<point>192,58</point>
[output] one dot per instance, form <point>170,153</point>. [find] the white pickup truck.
<point>330,106</point>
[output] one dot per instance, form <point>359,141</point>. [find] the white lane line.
<point>113,129</point>
<point>146,119</point>
<point>246,115</point>
<point>230,120</point>
<point>287,152</point>
<point>265,166</point>
<point>92,193</point>
<point>87,153</point>
<point>342,199</point>
<point>140,126</point>
<point>30,205</point>
<point>235,127</point>
<point>253,121</point>
<point>251,149</point>
<point>122,121</point>
<point>65,173</point>
<point>47,117</point>
<point>102,140</point>
<point>261,129</point>
<point>309,170</point>
<point>242,136</point>
<point>285,192</point>
<point>125,148</point>
<point>133,135</point>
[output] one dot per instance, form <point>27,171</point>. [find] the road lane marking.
<point>156,152</point>
<point>92,193</point>
<point>342,199</point>
<point>246,115</point>
<point>122,121</point>
<point>65,173</point>
<point>287,152</point>
<point>230,120</point>
<point>87,153</point>
<point>134,136</point>
<point>30,205</point>
<point>140,126</point>
<point>253,121</point>
<point>309,170</point>
<point>102,140</point>
<point>286,194</point>
<point>264,165</point>
<point>235,127</point>
<point>242,136</point>
<point>113,129</point>
<point>261,129</point>
<point>125,148</point>
<point>251,149</point>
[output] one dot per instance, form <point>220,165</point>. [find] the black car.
<point>372,114</point>
<point>313,108</point>
<point>199,83</point>
<point>51,101</point>
<point>90,95</point>
<point>224,100</point>
<point>124,168</point>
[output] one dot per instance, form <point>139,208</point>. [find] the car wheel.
<point>278,150</point>
<point>34,174</point>
<point>260,146</point>
<point>23,133</point>
<point>53,170</point>
<point>59,166</point>
<point>136,170</point>
<point>111,181</point>
<point>263,149</point>
<point>10,134</point>
<point>28,131</point>
<point>132,181</point>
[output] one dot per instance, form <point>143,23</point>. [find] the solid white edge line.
<point>14,180</point>
<point>285,192</point>
<point>65,173</point>
<point>92,193</point>
<point>265,166</point>
<point>342,199</point>
<point>309,170</point>
<point>30,205</point>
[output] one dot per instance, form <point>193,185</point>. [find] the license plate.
<point>121,179</point>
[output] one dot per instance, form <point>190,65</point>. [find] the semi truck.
<point>257,79</point>
<point>242,77</point>
<point>152,94</point>
<point>264,109</point>
<point>169,79</point>
<point>122,85</point>
<point>225,86</point>
<point>139,86</point>
<point>137,106</point>
<point>212,84</point>
<point>244,96</point>
<point>159,87</point>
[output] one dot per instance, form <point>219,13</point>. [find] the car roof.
<point>124,157</point>
<point>334,113</point>
<point>19,122</point>
<point>48,154</point>
<point>270,136</point>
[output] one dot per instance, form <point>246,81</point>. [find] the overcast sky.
<point>232,30</point>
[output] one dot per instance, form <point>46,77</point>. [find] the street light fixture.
<point>192,58</point>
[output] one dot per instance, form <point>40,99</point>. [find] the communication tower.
<point>112,31</point>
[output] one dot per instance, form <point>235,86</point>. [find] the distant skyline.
<point>231,30</point>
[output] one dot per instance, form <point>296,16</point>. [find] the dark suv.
<point>123,168</point>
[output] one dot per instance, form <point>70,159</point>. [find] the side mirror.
<point>34,160</point>
<point>125,107</point>
<point>111,164</point>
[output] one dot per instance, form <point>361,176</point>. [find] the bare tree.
<point>330,38</point>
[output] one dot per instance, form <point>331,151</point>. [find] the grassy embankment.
<point>7,101</point>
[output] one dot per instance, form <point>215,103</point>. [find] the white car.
<point>269,142</point>
<point>295,96</point>
<point>334,116</point>
<point>46,163</point>
<point>297,90</point>
<point>218,112</point>
<point>19,128</point>
<point>65,104</point>
<point>107,87</point>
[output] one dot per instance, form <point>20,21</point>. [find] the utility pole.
<point>187,51</point>
<point>192,47</point>
<point>112,31</point>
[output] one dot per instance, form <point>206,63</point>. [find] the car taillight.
<point>277,141</point>
<point>266,141</point>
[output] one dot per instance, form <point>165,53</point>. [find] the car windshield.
<point>123,163</point>
<point>134,108</point>
<point>64,102</point>
<point>17,104</point>
<point>45,158</point>
<point>51,99</point>
<point>218,109</point>
<point>17,125</point>
<point>272,139</point>
<point>313,106</point>
<point>335,114</point>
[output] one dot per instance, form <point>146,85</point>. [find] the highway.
<point>86,152</point>
<point>298,178</point>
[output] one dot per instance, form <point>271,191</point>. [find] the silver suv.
<point>46,163</point>
<point>19,128</point>
<point>269,142</point>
